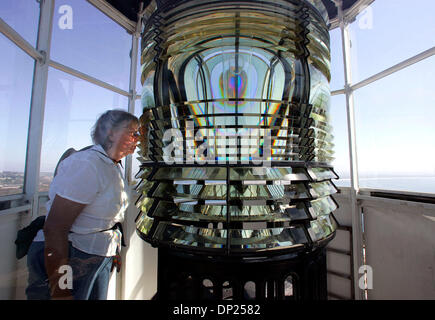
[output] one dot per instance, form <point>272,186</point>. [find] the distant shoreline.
<point>384,178</point>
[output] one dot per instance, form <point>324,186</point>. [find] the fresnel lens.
<point>236,143</point>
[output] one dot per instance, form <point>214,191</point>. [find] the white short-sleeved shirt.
<point>90,177</point>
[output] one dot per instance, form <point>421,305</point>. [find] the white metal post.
<point>37,105</point>
<point>132,86</point>
<point>357,234</point>
<point>129,160</point>
<point>132,95</point>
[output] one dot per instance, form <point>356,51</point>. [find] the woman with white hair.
<point>87,200</point>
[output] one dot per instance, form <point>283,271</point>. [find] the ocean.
<point>409,184</point>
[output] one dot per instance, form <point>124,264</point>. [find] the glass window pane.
<point>339,124</point>
<point>337,69</point>
<point>87,40</point>
<point>23,17</point>
<point>72,108</point>
<point>388,32</point>
<point>16,78</point>
<point>395,130</point>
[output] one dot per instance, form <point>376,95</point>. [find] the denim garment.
<point>91,274</point>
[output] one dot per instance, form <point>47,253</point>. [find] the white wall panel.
<point>339,286</point>
<point>140,266</point>
<point>401,251</point>
<point>341,241</point>
<point>339,262</point>
<point>13,272</point>
<point>344,213</point>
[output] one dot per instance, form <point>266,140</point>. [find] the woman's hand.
<point>116,263</point>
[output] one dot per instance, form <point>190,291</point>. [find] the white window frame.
<point>30,197</point>
<point>357,194</point>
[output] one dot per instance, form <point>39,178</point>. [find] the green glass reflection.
<point>271,238</point>
<point>189,212</point>
<point>190,174</point>
<point>321,228</point>
<point>322,189</point>
<point>294,191</point>
<point>190,236</point>
<point>297,211</point>
<point>144,224</point>
<point>169,191</point>
<point>322,206</point>
<point>144,203</point>
<point>273,174</point>
<point>319,174</point>
<point>218,213</point>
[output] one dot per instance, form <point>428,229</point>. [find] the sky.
<point>394,126</point>
<point>94,45</point>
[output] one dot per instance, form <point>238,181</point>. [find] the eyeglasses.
<point>134,134</point>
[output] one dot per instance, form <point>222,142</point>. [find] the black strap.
<point>118,162</point>
<point>116,226</point>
